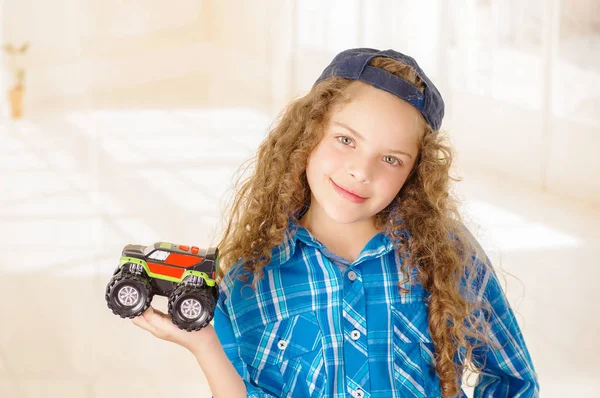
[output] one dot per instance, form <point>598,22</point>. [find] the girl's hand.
<point>161,326</point>
<point>222,377</point>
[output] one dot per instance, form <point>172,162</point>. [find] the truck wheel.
<point>191,307</point>
<point>128,295</point>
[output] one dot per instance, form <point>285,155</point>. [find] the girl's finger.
<point>142,322</point>
<point>160,323</point>
<point>153,316</point>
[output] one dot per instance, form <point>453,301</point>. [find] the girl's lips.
<point>347,195</point>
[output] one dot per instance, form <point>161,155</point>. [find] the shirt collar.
<point>379,245</point>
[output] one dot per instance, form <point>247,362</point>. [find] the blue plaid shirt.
<point>318,326</point>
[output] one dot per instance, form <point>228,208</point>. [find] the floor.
<point>79,182</point>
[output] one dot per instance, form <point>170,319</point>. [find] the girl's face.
<point>368,149</point>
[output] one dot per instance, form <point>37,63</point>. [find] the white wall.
<point>521,83</point>
<point>82,47</point>
<point>525,93</point>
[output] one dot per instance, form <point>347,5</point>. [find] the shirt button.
<point>355,335</point>
<point>352,275</point>
<point>359,393</point>
<point>282,344</point>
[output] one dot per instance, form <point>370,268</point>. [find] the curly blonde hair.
<point>438,246</point>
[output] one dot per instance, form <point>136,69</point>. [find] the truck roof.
<point>183,249</point>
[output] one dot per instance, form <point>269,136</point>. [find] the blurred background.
<point>125,122</point>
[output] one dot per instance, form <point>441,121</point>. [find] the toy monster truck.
<point>185,275</point>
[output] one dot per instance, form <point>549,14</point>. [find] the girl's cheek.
<point>333,156</point>
<point>337,149</point>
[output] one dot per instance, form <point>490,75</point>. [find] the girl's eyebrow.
<point>350,129</point>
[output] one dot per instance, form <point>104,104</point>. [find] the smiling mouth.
<point>348,194</point>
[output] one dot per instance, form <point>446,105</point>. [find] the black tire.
<point>188,299</point>
<point>132,287</point>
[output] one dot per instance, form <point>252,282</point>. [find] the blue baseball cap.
<point>353,64</point>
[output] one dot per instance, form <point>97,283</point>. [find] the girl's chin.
<point>345,217</point>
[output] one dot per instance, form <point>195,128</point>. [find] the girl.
<point>345,268</point>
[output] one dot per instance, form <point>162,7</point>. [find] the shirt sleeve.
<point>507,371</point>
<point>224,330</point>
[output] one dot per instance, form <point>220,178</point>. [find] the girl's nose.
<point>360,170</point>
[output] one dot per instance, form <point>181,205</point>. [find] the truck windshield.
<point>148,250</point>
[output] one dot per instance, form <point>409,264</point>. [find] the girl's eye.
<point>345,140</point>
<point>391,160</point>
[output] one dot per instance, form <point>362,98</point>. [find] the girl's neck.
<point>346,240</point>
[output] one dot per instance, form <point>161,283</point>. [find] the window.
<point>159,255</point>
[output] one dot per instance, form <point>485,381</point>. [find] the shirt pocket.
<point>286,357</point>
<point>414,371</point>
